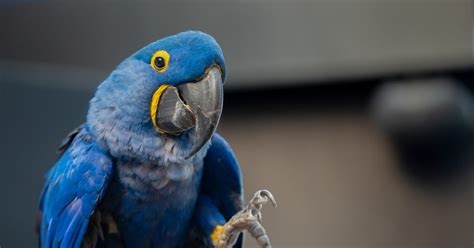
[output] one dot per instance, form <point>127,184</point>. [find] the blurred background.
<point>357,114</point>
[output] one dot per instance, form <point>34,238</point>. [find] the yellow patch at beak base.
<point>155,101</point>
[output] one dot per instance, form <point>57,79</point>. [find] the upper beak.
<point>195,105</point>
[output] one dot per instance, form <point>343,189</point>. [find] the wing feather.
<point>74,187</point>
<point>222,180</point>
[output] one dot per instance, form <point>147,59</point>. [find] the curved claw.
<point>261,197</point>
<point>249,219</point>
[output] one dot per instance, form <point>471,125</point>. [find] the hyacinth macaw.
<point>147,168</point>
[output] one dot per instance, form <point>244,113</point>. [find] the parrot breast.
<point>153,204</point>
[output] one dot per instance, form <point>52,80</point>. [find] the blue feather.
<point>222,179</point>
<point>221,188</point>
<point>74,187</point>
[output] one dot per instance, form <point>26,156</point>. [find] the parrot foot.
<point>250,219</point>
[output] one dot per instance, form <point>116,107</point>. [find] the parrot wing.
<point>74,187</point>
<point>66,143</point>
<point>222,180</point>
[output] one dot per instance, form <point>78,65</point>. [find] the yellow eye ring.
<point>159,61</point>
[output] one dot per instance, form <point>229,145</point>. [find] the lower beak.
<point>195,105</point>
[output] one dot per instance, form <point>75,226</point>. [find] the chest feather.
<point>150,178</point>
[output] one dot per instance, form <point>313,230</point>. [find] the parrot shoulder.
<point>222,179</point>
<point>74,187</point>
<point>65,144</point>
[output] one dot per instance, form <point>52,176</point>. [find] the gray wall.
<point>266,43</point>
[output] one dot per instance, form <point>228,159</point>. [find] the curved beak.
<point>195,105</point>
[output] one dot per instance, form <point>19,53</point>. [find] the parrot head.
<point>169,92</point>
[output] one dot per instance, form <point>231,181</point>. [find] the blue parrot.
<point>147,169</point>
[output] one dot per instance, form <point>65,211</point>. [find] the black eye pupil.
<point>160,62</point>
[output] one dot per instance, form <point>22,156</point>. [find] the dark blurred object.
<point>429,122</point>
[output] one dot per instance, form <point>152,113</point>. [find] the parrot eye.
<point>159,61</point>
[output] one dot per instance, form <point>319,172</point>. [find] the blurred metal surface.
<point>266,43</point>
